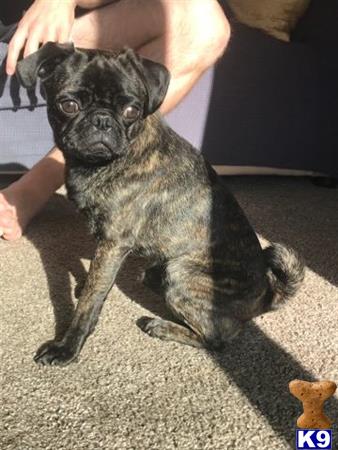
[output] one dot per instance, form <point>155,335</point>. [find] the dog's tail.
<point>285,271</point>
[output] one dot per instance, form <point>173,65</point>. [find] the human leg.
<point>23,199</point>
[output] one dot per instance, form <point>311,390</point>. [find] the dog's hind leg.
<point>191,298</point>
<point>199,329</point>
<point>169,331</point>
<point>212,328</point>
<point>211,333</point>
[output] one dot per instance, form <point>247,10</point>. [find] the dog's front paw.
<point>54,353</point>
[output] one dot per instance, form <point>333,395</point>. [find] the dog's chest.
<point>114,209</point>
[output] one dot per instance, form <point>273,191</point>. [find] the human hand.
<point>45,20</point>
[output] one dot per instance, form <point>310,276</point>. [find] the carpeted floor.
<point>129,391</point>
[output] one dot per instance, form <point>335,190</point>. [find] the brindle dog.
<point>146,190</point>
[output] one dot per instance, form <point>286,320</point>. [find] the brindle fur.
<point>161,199</point>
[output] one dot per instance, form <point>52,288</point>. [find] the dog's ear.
<point>155,77</point>
<point>42,63</point>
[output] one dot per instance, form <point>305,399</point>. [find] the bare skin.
<point>167,31</point>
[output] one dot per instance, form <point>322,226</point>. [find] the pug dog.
<point>145,190</point>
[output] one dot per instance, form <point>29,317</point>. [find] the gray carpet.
<point>129,391</point>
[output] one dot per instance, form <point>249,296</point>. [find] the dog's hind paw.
<point>154,327</point>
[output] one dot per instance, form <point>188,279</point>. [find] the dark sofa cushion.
<point>275,104</point>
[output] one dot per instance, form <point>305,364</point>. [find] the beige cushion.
<point>275,17</point>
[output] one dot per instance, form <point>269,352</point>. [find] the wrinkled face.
<point>97,102</point>
<point>96,110</point>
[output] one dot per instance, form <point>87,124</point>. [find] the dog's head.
<point>97,101</point>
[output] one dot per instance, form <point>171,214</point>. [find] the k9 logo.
<point>313,439</point>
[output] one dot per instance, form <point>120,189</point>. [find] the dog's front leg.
<point>101,277</point>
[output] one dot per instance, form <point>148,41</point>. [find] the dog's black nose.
<point>102,121</point>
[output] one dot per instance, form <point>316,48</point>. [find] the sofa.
<point>270,104</point>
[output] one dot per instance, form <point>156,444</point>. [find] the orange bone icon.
<point>313,396</point>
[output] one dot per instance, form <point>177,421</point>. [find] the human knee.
<point>213,31</point>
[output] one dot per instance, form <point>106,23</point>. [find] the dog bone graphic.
<point>313,395</point>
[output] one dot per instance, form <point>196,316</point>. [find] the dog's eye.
<point>69,107</point>
<point>131,113</point>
